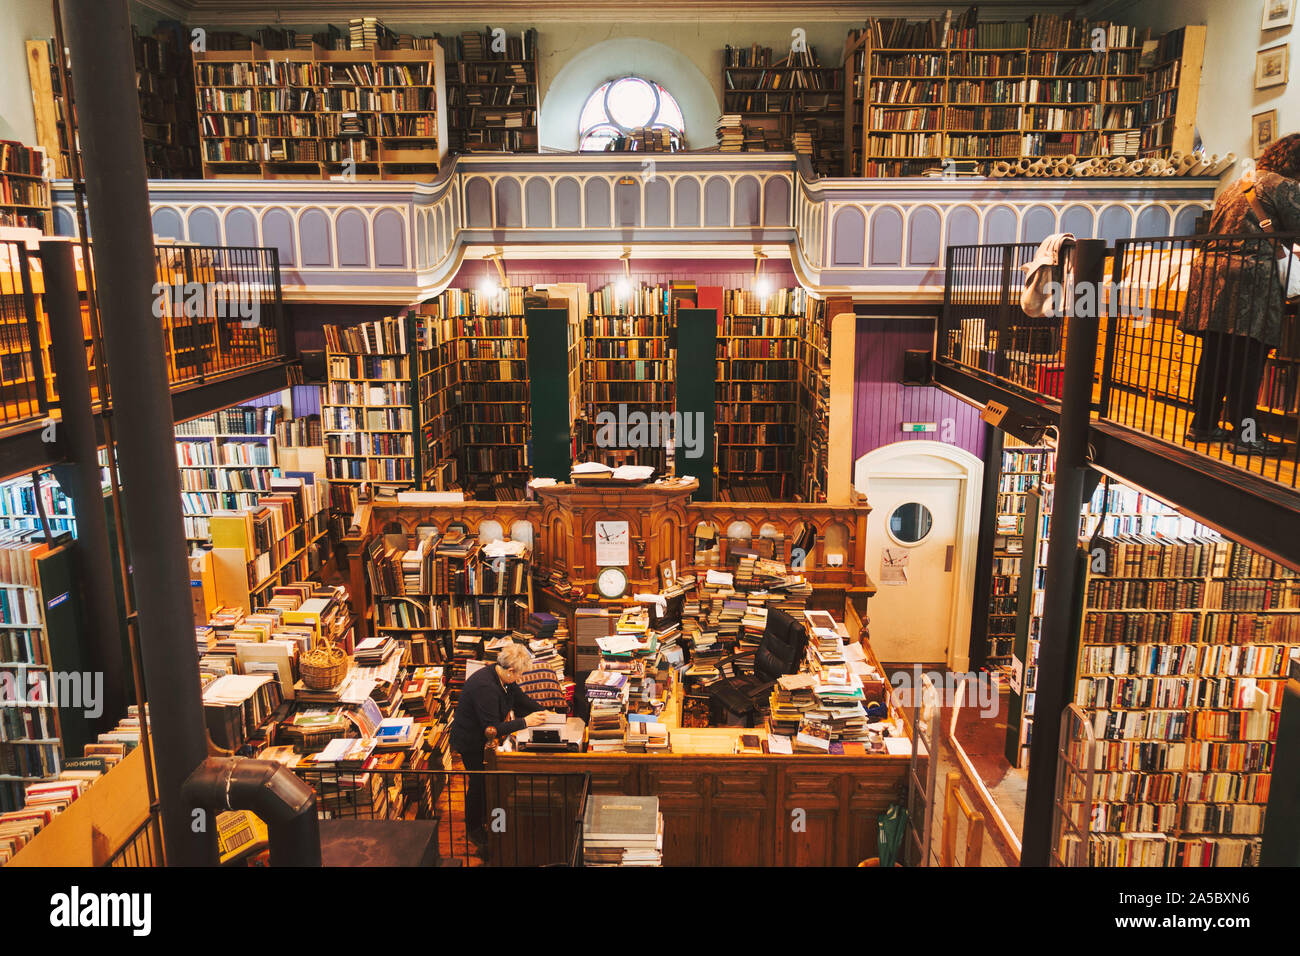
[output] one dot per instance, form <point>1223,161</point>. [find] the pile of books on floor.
<point>622,831</point>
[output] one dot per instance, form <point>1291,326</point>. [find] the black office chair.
<point>746,691</point>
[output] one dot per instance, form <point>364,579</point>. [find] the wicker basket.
<point>324,666</point>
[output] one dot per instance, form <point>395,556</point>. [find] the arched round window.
<point>910,523</point>
<point>621,106</point>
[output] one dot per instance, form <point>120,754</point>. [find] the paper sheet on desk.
<point>618,644</point>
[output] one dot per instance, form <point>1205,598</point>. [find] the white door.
<point>912,555</point>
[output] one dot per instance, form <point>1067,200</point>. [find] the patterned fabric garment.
<point>1233,286</point>
<point>543,686</point>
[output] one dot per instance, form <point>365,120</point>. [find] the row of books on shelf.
<point>473,47</point>
<point>27,808</point>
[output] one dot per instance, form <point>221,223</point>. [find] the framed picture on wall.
<point>1278,13</point>
<point>1263,131</point>
<point>1271,66</point>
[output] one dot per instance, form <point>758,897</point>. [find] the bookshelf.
<point>1023,470</point>
<point>227,460</point>
<point>488,398</point>
<point>922,92</point>
<point>368,412</point>
<point>815,401</point>
<point>18,505</point>
<point>317,113</point>
<point>32,578</point>
<point>50,107</point>
<point>492,96</point>
<point>1113,509</point>
<point>789,103</point>
<point>164,77</point>
<point>24,190</point>
<point>764,403</point>
<point>627,365</point>
<point>271,544</point>
<point>1181,666</point>
<point>1171,91</point>
<point>445,597</point>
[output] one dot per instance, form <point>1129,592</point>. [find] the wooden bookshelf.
<point>815,402</point>
<point>164,76</point>
<point>234,447</point>
<point>925,92</point>
<point>273,543</point>
<point>1023,469</point>
<point>317,113</point>
<point>787,103</point>
<point>18,505</point>
<point>1112,510</point>
<point>31,736</point>
<point>445,601</point>
<point>1171,87</point>
<point>627,364</point>
<point>763,403</point>
<point>24,189</point>
<point>1181,666</point>
<point>488,399</point>
<point>369,409</point>
<point>492,97</point>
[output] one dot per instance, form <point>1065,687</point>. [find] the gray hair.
<point>515,658</point>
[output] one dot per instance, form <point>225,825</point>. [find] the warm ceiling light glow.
<point>623,287</point>
<point>763,286</point>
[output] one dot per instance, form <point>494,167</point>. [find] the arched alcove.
<point>557,124</point>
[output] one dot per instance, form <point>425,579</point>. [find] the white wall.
<point>20,21</point>
<point>1228,96</point>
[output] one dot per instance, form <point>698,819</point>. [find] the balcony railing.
<point>1231,397</point>
<point>220,307</point>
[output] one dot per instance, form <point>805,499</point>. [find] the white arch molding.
<point>936,459</point>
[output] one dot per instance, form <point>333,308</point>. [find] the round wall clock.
<point>611,583</point>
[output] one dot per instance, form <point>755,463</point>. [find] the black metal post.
<point>1055,668</point>
<point>80,443</point>
<point>979,622</point>
<point>99,36</point>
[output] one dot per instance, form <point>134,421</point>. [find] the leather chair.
<point>745,693</point>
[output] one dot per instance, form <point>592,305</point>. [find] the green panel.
<point>548,392</point>
<point>697,391</point>
<point>61,597</point>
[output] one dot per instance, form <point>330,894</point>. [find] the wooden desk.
<point>726,809</point>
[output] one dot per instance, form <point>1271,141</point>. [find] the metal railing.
<point>26,388</point>
<point>983,329</point>
<point>1228,389</point>
<point>529,819</point>
<point>221,309</point>
<point>142,848</point>
<point>1203,352</point>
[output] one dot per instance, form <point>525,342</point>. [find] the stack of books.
<point>622,831</point>
<point>607,724</point>
<point>731,134</point>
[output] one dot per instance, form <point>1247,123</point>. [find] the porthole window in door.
<point>910,523</point>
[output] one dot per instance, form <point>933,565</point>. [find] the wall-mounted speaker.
<point>313,365</point>
<point>916,367</point>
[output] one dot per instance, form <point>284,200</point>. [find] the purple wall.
<point>881,404</point>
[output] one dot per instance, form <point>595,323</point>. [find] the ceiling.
<point>397,12</point>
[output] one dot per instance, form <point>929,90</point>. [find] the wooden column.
<point>839,463</point>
